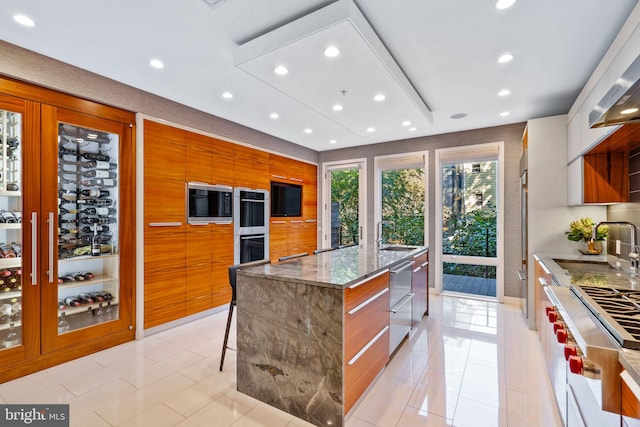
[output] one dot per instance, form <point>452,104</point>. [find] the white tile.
<point>385,402</point>
<point>158,416</point>
<point>412,417</point>
<point>437,393</point>
<point>188,402</point>
<point>484,384</point>
<point>470,413</point>
<point>91,419</point>
<point>99,397</point>
<point>152,373</point>
<point>224,410</point>
<point>57,394</point>
<point>264,416</point>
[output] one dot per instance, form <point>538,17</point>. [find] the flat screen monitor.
<point>286,199</point>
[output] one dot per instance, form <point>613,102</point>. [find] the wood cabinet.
<point>630,396</point>
<point>49,144</point>
<point>542,279</point>
<point>222,171</point>
<point>251,168</point>
<point>366,334</point>
<point>198,272</point>
<point>221,259</point>
<point>420,287</point>
<point>198,157</point>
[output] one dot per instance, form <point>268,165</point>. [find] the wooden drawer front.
<point>358,292</point>
<point>421,258</point>
<point>630,402</point>
<point>364,321</point>
<point>359,373</point>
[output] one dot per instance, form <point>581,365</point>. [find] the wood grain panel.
<point>606,177</point>
<point>222,162</point>
<point>278,167</point>
<point>361,326</point>
<point>278,239</point>
<point>358,376</point>
<point>221,259</point>
<point>164,312</point>
<point>261,170</point>
<point>630,403</point>
<point>357,295</point>
<point>198,268</point>
<point>198,157</point>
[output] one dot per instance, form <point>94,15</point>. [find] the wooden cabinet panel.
<point>278,239</point>
<point>278,167</point>
<point>164,173</point>
<point>221,259</point>
<point>198,269</point>
<point>222,162</point>
<point>310,191</point>
<point>368,288</point>
<point>542,278</point>
<point>630,402</point>
<point>359,375</point>
<point>251,168</point>
<point>606,177</point>
<point>363,322</point>
<point>198,157</point>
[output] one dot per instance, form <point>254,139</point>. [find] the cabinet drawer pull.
<point>366,279</point>
<point>296,179</point>
<point>367,302</point>
<point>402,267</point>
<point>51,227</point>
<point>355,358</point>
<point>297,221</point>
<point>165,224</point>
<point>542,281</point>
<point>279,176</point>
<point>405,299</point>
<point>34,248</point>
<point>544,267</point>
<point>419,254</point>
<point>278,222</point>
<point>415,270</point>
<point>424,264</point>
<point>310,220</point>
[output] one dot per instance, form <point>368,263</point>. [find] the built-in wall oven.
<point>251,224</point>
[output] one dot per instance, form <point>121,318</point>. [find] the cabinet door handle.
<point>296,179</point>
<point>51,224</point>
<point>364,349</point>
<point>542,281</point>
<point>279,176</point>
<point>367,302</point>
<point>402,267</point>
<point>34,248</point>
<point>405,299</point>
<point>544,267</point>
<point>366,279</point>
<point>278,222</point>
<point>424,264</point>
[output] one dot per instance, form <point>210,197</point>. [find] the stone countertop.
<point>629,359</point>
<point>335,268</point>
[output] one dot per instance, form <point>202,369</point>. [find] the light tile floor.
<point>469,363</point>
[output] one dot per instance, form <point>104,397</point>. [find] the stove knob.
<point>576,365</point>
<point>553,316</point>
<point>548,309</point>
<point>556,326</point>
<point>561,335</point>
<point>570,350</point>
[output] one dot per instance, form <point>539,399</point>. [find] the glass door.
<point>344,208</point>
<point>83,229</point>
<point>19,294</point>
<point>470,217</point>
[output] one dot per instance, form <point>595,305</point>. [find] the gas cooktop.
<point>617,309</point>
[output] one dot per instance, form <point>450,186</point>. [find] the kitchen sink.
<point>583,266</point>
<point>398,248</point>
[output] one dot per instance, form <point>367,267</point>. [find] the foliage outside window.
<point>403,205</point>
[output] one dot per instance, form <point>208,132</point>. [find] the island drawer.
<point>364,321</point>
<point>362,369</point>
<point>359,292</point>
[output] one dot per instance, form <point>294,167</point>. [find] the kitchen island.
<point>313,332</point>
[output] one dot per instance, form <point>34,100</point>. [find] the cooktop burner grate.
<point>617,309</point>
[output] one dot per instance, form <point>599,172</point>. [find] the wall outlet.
<point>617,247</point>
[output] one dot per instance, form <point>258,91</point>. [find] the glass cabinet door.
<point>87,226</point>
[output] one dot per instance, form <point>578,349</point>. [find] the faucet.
<point>379,240</point>
<point>634,251</point>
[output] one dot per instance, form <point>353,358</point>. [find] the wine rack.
<point>10,230</point>
<point>87,226</point>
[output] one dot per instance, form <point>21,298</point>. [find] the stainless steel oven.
<point>251,224</point>
<point>252,247</point>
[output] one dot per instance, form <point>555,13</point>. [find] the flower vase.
<point>590,247</point>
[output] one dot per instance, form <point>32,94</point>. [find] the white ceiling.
<point>446,50</point>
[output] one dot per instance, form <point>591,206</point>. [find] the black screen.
<point>286,199</point>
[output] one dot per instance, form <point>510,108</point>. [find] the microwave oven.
<point>207,203</point>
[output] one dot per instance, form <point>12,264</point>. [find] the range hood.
<point>624,96</point>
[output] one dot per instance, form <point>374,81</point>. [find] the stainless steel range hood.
<point>624,96</point>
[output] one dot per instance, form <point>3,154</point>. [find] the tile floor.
<point>470,363</point>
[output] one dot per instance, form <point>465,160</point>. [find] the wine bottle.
<point>95,243</point>
<point>97,296</point>
<point>88,275</point>
<point>98,220</point>
<point>96,156</point>
<point>64,211</point>
<point>85,299</point>
<point>96,202</point>
<point>97,164</point>
<point>63,231</point>
<point>95,193</point>
<point>101,229</point>
<point>79,277</point>
<point>72,301</point>
<point>97,173</point>
<point>66,278</point>
<point>99,182</point>
<point>61,305</point>
<point>98,211</point>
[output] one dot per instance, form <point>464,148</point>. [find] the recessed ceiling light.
<point>274,115</point>
<point>504,92</point>
<point>379,97</point>
<point>227,95</point>
<point>331,52</point>
<point>24,20</point>
<point>332,141</point>
<point>629,111</point>
<point>412,129</point>
<point>281,70</point>
<point>458,116</point>
<point>371,130</point>
<point>406,123</point>
<point>156,63</point>
<point>504,114</point>
<point>505,58</point>
<point>337,107</point>
<point>503,4</point>
<point>307,130</point>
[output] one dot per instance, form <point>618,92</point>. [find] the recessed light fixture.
<point>504,114</point>
<point>504,92</point>
<point>227,95</point>
<point>156,63</point>
<point>24,20</point>
<point>332,141</point>
<point>281,70</point>
<point>331,52</point>
<point>503,4</point>
<point>629,111</point>
<point>307,130</point>
<point>412,129</point>
<point>507,57</point>
<point>370,130</point>
<point>458,116</point>
<point>379,97</point>
<point>274,115</point>
<point>337,107</point>
<point>406,123</point>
